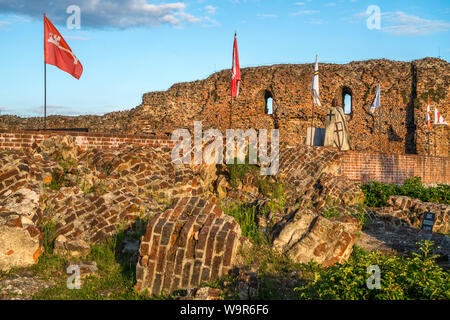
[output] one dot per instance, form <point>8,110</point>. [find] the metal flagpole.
<point>380,115</point>
<point>231,106</point>
<point>379,125</point>
<point>45,84</point>
<point>45,96</point>
<point>312,118</point>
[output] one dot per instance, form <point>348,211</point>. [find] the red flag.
<point>235,71</point>
<point>58,53</point>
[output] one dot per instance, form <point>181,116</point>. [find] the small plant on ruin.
<point>245,215</point>
<point>266,184</point>
<point>277,199</point>
<point>362,216</point>
<point>331,211</point>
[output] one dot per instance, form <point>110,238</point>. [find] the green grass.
<point>116,275</point>
<point>245,216</point>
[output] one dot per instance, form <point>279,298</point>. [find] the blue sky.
<point>129,47</point>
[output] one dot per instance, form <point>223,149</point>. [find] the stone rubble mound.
<point>189,240</point>
<point>307,236</point>
<point>402,210</point>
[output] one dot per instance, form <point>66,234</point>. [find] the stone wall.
<point>410,212</point>
<point>404,90</point>
<point>405,87</point>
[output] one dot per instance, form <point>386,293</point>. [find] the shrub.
<point>415,277</point>
<point>376,193</point>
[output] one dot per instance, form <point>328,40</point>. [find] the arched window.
<point>347,100</point>
<point>269,102</point>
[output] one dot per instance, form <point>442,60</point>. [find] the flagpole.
<point>231,106</point>
<point>311,132</point>
<point>312,109</point>
<point>45,96</point>
<point>379,126</point>
<point>379,118</point>
<point>45,84</point>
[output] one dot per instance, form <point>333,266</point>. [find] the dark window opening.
<point>269,102</point>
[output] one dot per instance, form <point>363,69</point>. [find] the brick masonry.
<point>395,168</point>
<point>405,87</point>
<point>192,242</point>
<point>357,166</point>
<point>22,139</point>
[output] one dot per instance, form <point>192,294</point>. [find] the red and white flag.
<point>428,117</point>
<point>438,119</point>
<point>58,53</point>
<point>235,71</point>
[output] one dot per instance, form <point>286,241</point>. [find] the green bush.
<point>415,277</point>
<point>377,194</point>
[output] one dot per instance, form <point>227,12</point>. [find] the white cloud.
<point>209,23</point>
<point>298,3</point>
<point>4,23</point>
<point>315,21</point>
<point>105,13</point>
<point>79,38</point>
<point>305,12</point>
<point>268,16</point>
<point>331,4</point>
<point>211,9</point>
<point>401,23</point>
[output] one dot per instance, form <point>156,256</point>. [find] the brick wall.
<point>394,168</point>
<point>358,166</point>
<point>24,139</point>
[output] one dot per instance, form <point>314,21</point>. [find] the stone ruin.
<point>189,240</point>
<point>405,87</point>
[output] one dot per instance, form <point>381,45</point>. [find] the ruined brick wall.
<point>10,140</point>
<point>357,166</point>
<point>404,90</point>
<point>389,168</point>
<point>190,243</point>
